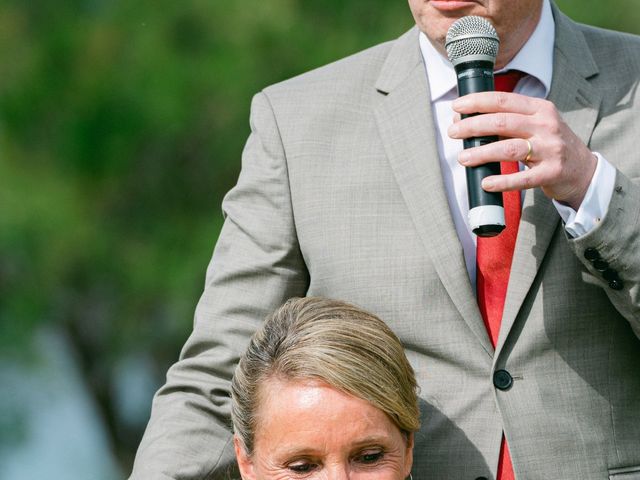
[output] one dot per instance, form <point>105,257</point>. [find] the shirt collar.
<point>535,58</point>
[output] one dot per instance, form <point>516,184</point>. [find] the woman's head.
<point>317,378</point>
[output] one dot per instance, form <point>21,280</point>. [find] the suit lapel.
<point>578,102</point>
<point>407,132</point>
<point>406,128</point>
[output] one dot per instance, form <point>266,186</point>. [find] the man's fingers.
<point>522,180</point>
<point>511,149</point>
<point>512,125</point>
<point>488,102</point>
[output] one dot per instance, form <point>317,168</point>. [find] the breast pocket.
<point>626,473</point>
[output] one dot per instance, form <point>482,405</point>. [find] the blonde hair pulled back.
<point>340,344</point>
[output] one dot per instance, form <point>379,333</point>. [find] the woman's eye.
<point>370,457</point>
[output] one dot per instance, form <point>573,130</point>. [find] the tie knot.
<point>507,81</point>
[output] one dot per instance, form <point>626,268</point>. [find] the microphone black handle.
<point>473,77</point>
<point>478,196</point>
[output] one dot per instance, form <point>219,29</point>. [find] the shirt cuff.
<point>595,204</point>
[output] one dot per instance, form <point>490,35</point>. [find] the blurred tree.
<point>121,127</point>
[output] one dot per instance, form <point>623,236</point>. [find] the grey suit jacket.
<point>341,195</point>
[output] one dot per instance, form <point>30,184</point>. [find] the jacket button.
<point>610,274</point>
<point>502,380</point>
<point>591,254</point>
<point>600,265</point>
<point>616,284</point>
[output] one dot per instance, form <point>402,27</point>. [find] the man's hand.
<point>559,163</point>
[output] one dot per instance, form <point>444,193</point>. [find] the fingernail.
<point>459,103</point>
<point>453,131</point>
<point>488,184</point>
<point>464,158</point>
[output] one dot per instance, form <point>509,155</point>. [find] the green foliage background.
<point>121,127</point>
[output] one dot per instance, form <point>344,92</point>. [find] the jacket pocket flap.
<point>626,473</point>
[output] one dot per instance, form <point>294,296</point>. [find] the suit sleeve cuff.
<point>595,204</point>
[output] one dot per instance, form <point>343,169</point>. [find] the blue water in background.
<point>49,427</point>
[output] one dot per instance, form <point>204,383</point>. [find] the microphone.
<point>472,47</point>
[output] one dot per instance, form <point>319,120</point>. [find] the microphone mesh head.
<point>472,38</point>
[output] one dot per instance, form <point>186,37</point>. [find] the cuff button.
<point>591,254</point>
<point>600,265</point>
<point>616,284</point>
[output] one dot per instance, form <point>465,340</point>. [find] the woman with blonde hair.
<point>324,390</point>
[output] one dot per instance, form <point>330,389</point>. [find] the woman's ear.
<point>244,460</point>
<point>408,455</point>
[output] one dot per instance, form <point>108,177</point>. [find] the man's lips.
<point>452,5</point>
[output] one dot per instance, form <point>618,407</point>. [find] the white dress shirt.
<point>535,59</point>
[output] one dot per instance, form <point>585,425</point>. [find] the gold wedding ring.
<point>529,152</point>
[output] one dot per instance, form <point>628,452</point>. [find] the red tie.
<point>493,262</point>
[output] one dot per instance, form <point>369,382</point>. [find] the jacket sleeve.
<point>256,266</point>
<point>610,252</point>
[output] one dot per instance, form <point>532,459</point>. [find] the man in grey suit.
<point>350,188</point>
